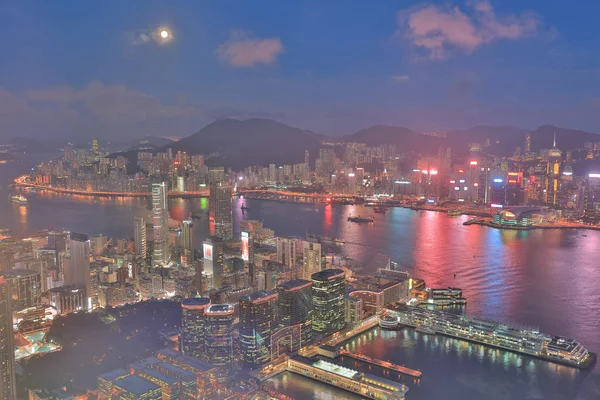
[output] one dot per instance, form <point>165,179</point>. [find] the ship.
<point>518,339</point>
<point>454,213</point>
<point>17,198</point>
<point>361,219</point>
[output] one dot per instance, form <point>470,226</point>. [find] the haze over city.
<point>87,69</point>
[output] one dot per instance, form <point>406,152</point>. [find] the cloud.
<point>400,78</point>
<point>243,49</point>
<point>438,30</point>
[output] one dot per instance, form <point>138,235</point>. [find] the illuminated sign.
<point>566,173</point>
<point>414,170</point>
<point>456,188</point>
<point>466,188</point>
<point>424,171</point>
<point>433,172</point>
<point>594,175</point>
<point>245,247</point>
<point>430,201</point>
<point>498,180</point>
<point>473,163</point>
<point>402,182</point>
<point>461,181</point>
<point>452,181</point>
<point>207,250</point>
<point>496,205</point>
<point>350,175</point>
<point>460,171</point>
<point>476,184</point>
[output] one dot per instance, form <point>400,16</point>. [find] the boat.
<point>17,198</point>
<point>339,241</point>
<point>454,213</point>
<point>518,339</point>
<point>379,209</point>
<point>361,219</point>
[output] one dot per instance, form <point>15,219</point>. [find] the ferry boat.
<point>455,213</point>
<point>17,198</point>
<point>518,339</point>
<point>339,241</point>
<point>361,219</point>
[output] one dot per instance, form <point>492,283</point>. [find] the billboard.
<point>245,246</point>
<point>207,250</point>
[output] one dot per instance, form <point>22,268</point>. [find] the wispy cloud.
<point>243,49</point>
<point>438,30</point>
<point>400,78</point>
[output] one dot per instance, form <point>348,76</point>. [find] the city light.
<point>498,180</point>
<point>416,170</point>
<point>594,175</point>
<point>476,184</point>
<point>456,188</point>
<point>424,171</point>
<point>452,181</point>
<point>497,205</point>
<point>433,172</point>
<point>473,163</point>
<point>462,181</point>
<point>466,188</point>
<point>567,173</point>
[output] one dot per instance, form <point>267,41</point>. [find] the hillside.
<point>404,139</point>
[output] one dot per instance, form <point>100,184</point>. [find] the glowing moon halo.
<point>164,34</point>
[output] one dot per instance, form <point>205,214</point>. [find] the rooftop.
<point>114,374</point>
<point>136,385</point>
<point>195,302</point>
<point>295,284</point>
<point>160,376</point>
<point>185,375</point>
<point>327,274</point>
<point>220,309</point>
<point>379,261</point>
<point>336,369</point>
<point>18,272</point>
<point>258,297</point>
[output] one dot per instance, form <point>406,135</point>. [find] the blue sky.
<point>99,68</point>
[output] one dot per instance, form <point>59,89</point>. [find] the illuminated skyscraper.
<point>212,262</point>
<point>95,147</point>
<point>328,290</point>
<point>296,307</point>
<point>258,321</point>
<point>187,240</point>
<point>218,337</point>
<point>77,269</point>
<point>312,259</point>
<point>8,389</point>
<point>220,209</point>
<point>139,237</point>
<point>527,144</point>
<point>192,326</point>
<point>286,251</point>
<point>160,221</point>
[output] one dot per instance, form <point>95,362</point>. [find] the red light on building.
<point>472,163</point>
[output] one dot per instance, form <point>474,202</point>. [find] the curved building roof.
<point>327,274</point>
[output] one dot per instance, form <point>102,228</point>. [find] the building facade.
<point>328,291</point>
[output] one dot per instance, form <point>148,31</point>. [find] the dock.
<point>383,364</point>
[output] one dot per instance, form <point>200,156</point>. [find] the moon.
<point>164,34</point>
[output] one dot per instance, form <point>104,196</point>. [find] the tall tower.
<point>192,325</point>
<point>95,147</point>
<point>258,321</point>
<point>218,338</point>
<point>77,271</point>
<point>286,251</point>
<point>8,389</point>
<point>328,291</point>
<point>528,143</point>
<point>160,221</point>
<point>296,307</point>
<point>187,240</point>
<point>553,173</point>
<point>312,259</point>
<point>220,209</point>
<point>139,237</point>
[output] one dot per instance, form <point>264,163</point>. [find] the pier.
<point>383,364</point>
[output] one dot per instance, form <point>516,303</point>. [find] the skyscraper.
<point>218,337</point>
<point>328,290</point>
<point>95,147</point>
<point>187,240</point>
<point>7,351</point>
<point>296,307</point>
<point>212,261</point>
<point>220,209</point>
<point>286,251</point>
<point>77,271</point>
<point>160,221</point>
<point>258,321</point>
<point>312,259</point>
<point>139,237</point>
<point>192,326</point>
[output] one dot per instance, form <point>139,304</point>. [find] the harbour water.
<point>548,279</point>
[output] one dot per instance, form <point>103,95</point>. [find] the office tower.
<point>69,153</point>
<point>139,237</point>
<point>212,262</point>
<point>286,251</point>
<point>247,247</point>
<point>160,221</point>
<point>296,307</point>
<point>218,337</point>
<point>192,325</point>
<point>328,290</point>
<point>527,143</point>
<point>306,157</point>
<point>95,147</point>
<point>8,390</point>
<point>234,274</point>
<point>312,259</point>
<point>187,240</point>
<point>26,287</point>
<point>98,243</point>
<point>220,209</point>
<point>77,271</point>
<point>133,387</point>
<point>258,321</point>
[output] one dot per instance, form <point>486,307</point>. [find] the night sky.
<point>99,68</point>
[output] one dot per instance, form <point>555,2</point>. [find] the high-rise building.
<point>286,251</point>
<point>95,147</point>
<point>26,287</point>
<point>77,271</point>
<point>160,221</point>
<point>296,307</point>
<point>258,321</point>
<point>328,290</point>
<point>218,337</point>
<point>312,259</point>
<point>187,240</point>
<point>527,144</point>
<point>212,262</point>
<point>192,325</point>
<point>8,390</point>
<point>139,237</point>
<point>69,153</point>
<point>220,209</point>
